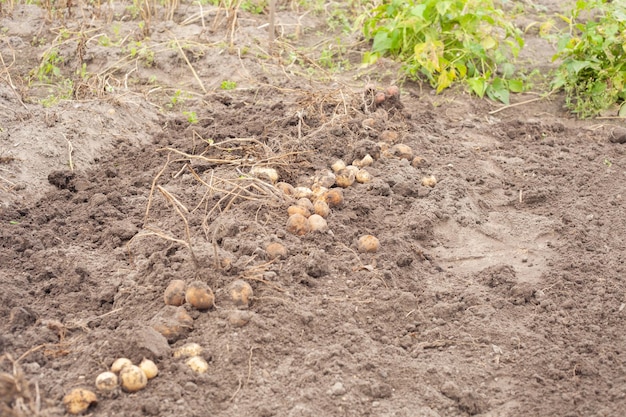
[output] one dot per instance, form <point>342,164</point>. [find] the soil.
<point>498,292</point>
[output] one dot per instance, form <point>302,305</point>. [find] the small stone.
<point>337,389</point>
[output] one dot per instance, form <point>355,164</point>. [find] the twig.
<point>532,100</point>
<point>193,71</point>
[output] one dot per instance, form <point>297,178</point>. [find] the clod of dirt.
<point>316,265</point>
<point>79,400</point>
<point>365,147</point>
<point>22,317</point>
<point>63,180</point>
<point>146,342</point>
<point>617,136</point>
<point>389,136</point>
<point>239,318</point>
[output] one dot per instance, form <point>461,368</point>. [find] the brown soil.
<point>498,292</point>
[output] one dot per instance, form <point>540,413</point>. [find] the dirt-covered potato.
<point>276,250</point>
<point>241,293</point>
<point>174,294</point>
<point>368,244</point>
<point>298,225</point>
<point>286,188</point>
<point>401,151</point>
<point>133,378</point>
<point>338,165</point>
<point>317,223</point>
<point>363,176</point>
<point>291,210</point>
<point>265,174</point>
<point>79,400</point>
<point>345,178</point>
<point>302,192</point>
<point>199,295</point>
<point>106,382</point>
<point>333,197</point>
<point>321,208</point>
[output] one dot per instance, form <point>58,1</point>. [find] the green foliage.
<point>48,69</point>
<point>228,85</point>
<point>191,116</point>
<point>447,41</point>
<point>593,54</point>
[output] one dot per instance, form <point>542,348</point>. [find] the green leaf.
<point>478,86</point>
<point>516,85</point>
<point>622,110</point>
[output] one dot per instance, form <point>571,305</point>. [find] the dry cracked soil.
<point>496,291</point>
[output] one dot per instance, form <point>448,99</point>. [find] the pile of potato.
<point>131,378</point>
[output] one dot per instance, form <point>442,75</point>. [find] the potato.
<point>363,176</point>
<point>318,192</point>
<point>317,223</point>
<point>429,181</point>
<point>379,98</point>
<point>173,323</point>
<point>389,136</point>
<point>175,293</point>
<point>133,378</point>
<point>419,162</point>
<point>241,293</point>
<point>199,295</point>
<point>198,364</point>
<point>264,173</point>
<point>302,192</point>
<point>367,160</point>
<point>106,382</point>
<point>402,151</point>
<point>321,208</point>
<point>276,250</point>
<point>149,368</point>
<point>345,178</point>
<point>306,203</point>
<point>324,179</point>
<point>187,350</point>
<point>368,244</point>
<point>392,91</point>
<point>291,210</point>
<point>338,165</point>
<point>334,197</point>
<point>287,189</point>
<point>297,224</point>
<point>79,400</point>
<point>119,364</point>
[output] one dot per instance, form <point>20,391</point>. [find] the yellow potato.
<point>79,400</point>
<point>133,378</point>
<point>345,178</point>
<point>321,208</point>
<point>188,350</point>
<point>429,181</point>
<point>276,250</point>
<point>149,368</point>
<point>338,165</point>
<point>291,210</point>
<point>198,364</point>
<point>363,176</point>
<point>119,364</point>
<point>287,189</point>
<point>334,197</point>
